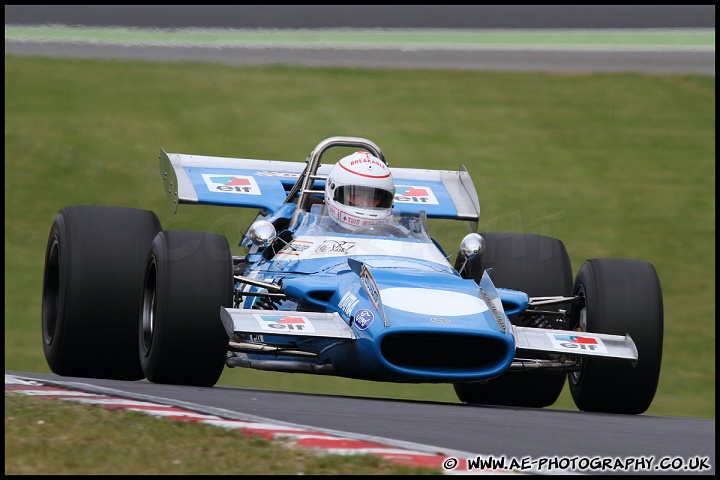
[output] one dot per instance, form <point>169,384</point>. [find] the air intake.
<point>455,352</point>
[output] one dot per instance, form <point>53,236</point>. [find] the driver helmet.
<point>359,191</point>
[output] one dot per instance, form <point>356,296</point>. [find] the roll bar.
<point>306,182</point>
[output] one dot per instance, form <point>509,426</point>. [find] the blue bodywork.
<point>381,303</point>
<point>414,318</point>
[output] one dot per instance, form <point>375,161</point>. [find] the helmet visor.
<point>363,197</point>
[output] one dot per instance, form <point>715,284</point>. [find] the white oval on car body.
<point>430,301</point>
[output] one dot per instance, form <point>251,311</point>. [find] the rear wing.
<point>268,184</point>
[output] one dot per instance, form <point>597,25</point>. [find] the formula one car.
<point>379,300</point>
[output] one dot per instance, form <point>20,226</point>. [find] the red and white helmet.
<point>359,191</point>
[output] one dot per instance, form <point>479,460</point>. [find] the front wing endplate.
<point>575,343</point>
<point>298,324</point>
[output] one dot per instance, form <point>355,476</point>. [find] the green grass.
<point>48,437</point>
<point>614,165</point>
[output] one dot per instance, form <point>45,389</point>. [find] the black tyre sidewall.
<point>622,296</point>
<point>540,266</point>
<point>94,264</point>
<point>193,279</point>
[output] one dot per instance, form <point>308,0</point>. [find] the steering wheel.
<point>382,229</point>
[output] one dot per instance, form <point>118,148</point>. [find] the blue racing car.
<point>340,276</point>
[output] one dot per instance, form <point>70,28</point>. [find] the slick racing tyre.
<point>188,277</point>
<point>540,266</point>
<point>94,267</point>
<point>621,297</point>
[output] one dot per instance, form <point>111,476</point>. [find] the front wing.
<point>332,326</point>
<point>296,324</point>
<point>575,343</point>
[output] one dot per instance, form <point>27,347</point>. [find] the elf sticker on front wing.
<point>284,323</point>
<point>411,194</point>
<point>577,343</point>
<point>238,184</point>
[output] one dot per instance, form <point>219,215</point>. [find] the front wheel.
<point>188,277</point>
<point>540,266</point>
<point>621,297</point>
<point>94,265</point>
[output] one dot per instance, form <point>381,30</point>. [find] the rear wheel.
<point>188,277</point>
<point>621,297</point>
<point>539,266</point>
<point>94,265</point>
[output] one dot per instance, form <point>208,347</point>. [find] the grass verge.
<point>614,165</point>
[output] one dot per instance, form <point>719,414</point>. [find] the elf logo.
<point>415,194</point>
<point>284,323</point>
<point>578,343</point>
<point>239,184</point>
